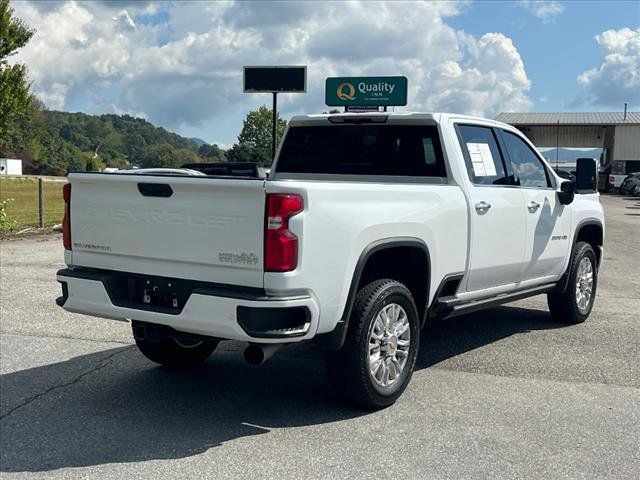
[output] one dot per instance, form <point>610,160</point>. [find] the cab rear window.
<point>385,150</point>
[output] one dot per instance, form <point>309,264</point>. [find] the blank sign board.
<point>275,79</point>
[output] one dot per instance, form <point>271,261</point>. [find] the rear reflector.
<point>280,244</point>
<point>66,221</point>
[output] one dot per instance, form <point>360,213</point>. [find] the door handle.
<point>533,206</point>
<point>482,207</point>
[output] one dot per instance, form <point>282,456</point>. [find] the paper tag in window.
<point>481,159</point>
<point>478,169</point>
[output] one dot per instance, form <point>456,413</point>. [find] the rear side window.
<point>390,150</point>
<point>527,167</point>
<point>482,155</point>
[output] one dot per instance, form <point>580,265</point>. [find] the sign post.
<point>274,126</point>
<point>365,92</point>
<point>275,79</point>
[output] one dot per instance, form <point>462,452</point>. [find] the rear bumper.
<point>225,313</point>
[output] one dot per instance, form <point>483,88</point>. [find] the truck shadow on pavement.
<point>451,337</point>
<point>114,406</point>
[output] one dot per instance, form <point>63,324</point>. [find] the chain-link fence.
<point>31,202</point>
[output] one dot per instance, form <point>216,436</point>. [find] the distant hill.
<point>570,156</point>
<point>198,141</point>
<point>118,139</point>
<point>54,143</point>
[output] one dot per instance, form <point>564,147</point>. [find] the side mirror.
<point>586,175</point>
<point>567,192</point>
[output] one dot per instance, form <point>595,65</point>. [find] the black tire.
<point>563,305</point>
<point>170,353</point>
<point>348,368</point>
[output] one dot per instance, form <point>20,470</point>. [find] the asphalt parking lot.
<point>502,393</point>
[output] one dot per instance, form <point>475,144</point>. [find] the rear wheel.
<point>575,303</point>
<point>375,364</point>
<point>176,352</point>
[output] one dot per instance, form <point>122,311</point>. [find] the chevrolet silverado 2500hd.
<point>368,226</point>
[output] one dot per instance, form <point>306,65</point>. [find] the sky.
<point>179,64</point>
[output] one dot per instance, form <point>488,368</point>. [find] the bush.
<point>7,224</point>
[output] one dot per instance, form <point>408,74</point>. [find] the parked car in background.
<point>636,191</point>
<point>615,181</point>
<point>629,183</point>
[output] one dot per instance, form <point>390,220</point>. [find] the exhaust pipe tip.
<point>256,355</point>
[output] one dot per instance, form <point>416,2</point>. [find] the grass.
<point>24,207</point>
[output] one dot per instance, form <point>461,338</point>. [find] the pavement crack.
<point>102,364</point>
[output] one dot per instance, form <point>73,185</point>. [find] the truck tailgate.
<point>198,228</point>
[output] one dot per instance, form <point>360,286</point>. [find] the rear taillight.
<point>612,179</point>
<point>66,221</point>
<point>280,244</point>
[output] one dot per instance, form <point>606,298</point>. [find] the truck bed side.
<point>341,220</point>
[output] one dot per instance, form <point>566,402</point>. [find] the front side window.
<point>385,150</point>
<point>527,167</point>
<point>482,155</point>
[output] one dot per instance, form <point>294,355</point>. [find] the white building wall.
<point>578,136</point>
<point>627,142</point>
<point>10,166</point>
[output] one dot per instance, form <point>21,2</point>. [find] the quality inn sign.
<point>362,91</point>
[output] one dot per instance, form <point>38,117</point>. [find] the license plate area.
<point>143,292</point>
<point>158,294</point>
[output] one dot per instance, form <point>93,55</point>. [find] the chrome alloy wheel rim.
<point>584,284</point>
<point>389,341</point>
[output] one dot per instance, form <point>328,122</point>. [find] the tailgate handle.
<point>155,189</point>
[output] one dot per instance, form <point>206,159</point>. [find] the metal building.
<point>617,133</point>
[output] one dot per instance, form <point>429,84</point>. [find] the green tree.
<point>162,155</point>
<point>97,131</point>
<point>134,147</point>
<point>94,163</point>
<point>241,152</point>
<point>184,155</point>
<point>256,136</point>
<point>78,163</point>
<point>15,98</point>
<point>212,153</point>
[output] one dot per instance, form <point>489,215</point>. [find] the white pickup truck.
<point>369,226</point>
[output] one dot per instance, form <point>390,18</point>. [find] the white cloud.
<point>222,145</point>
<point>124,21</point>
<point>185,69</point>
<point>545,10</point>
<point>617,79</point>
<point>492,78</point>
<point>72,49</point>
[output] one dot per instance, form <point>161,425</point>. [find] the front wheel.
<point>574,304</point>
<point>375,364</point>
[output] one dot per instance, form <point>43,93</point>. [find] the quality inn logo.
<point>371,91</point>
<point>346,91</point>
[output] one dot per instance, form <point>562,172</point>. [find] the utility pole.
<point>557,143</point>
